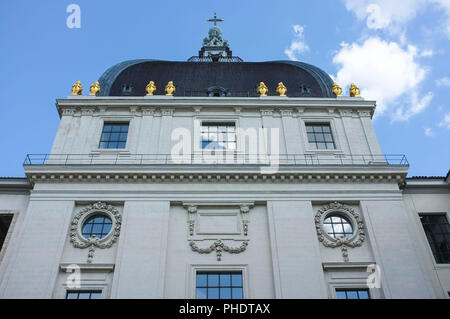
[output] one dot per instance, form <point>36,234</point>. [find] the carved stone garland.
<point>355,240</point>
<point>218,246</point>
<point>79,241</point>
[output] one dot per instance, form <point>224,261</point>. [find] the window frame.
<point>96,215</point>
<point>105,123</point>
<point>343,216</point>
<point>9,233</point>
<point>219,286</point>
<point>86,290</point>
<point>198,123</point>
<point>217,124</point>
<point>304,121</point>
<point>320,124</point>
<point>427,243</point>
<point>191,277</point>
<point>352,289</point>
<point>96,150</point>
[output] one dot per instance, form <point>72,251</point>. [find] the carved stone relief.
<point>79,241</point>
<point>356,240</point>
<point>200,234</point>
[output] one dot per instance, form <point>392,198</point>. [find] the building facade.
<point>218,185</point>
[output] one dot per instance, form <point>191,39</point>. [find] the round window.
<point>337,226</point>
<point>98,225</point>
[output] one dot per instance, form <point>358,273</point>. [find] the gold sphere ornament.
<point>337,90</point>
<point>150,88</point>
<point>281,89</point>
<point>354,91</point>
<point>262,89</point>
<point>95,88</point>
<point>77,89</point>
<point>170,88</point>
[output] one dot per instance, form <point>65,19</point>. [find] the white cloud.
<point>445,81</point>
<point>446,121</point>
<point>427,53</point>
<point>385,72</point>
<point>429,132</point>
<point>298,44</point>
<point>392,15</point>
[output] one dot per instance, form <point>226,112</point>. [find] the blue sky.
<point>397,51</point>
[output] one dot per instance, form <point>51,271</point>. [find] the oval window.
<point>337,226</point>
<point>98,225</point>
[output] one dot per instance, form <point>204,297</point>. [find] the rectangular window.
<point>5,222</point>
<point>114,136</point>
<point>219,285</point>
<point>352,294</point>
<point>437,230</point>
<point>84,294</point>
<point>218,135</point>
<point>320,136</point>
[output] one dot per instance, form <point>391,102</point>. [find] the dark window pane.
<point>320,135</point>
<point>84,294</point>
<point>437,231</point>
<point>220,285</point>
<point>201,293</point>
<point>114,135</point>
<point>213,293</point>
<point>363,294</point>
<point>352,294</point>
<point>225,280</point>
<point>98,225</point>
<point>341,295</point>
<point>236,280</point>
<point>236,293</point>
<point>213,280</point>
<point>201,280</point>
<point>225,293</point>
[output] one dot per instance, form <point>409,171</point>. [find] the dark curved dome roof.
<point>238,79</point>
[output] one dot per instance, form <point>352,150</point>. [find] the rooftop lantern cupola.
<point>215,48</point>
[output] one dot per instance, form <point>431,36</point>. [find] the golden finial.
<point>170,88</point>
<point>354,91</point>
<point>150,88</point>
<point>337,90</point>
<point>95,88</point>
<point>281,89</point>
<point>262,89</point>
<point>77,89</point>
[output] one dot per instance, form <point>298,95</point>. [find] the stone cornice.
<point>213,174</point>
<point>69,105</point>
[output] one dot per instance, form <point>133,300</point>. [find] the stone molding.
<point>79,241</point>
<point>218,245</point>
<point>356,240</point>
<point>254,177</point>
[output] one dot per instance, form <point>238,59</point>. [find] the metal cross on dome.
<point>215,20</point>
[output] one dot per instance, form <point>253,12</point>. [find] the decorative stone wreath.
<point>79,241</point>
<point>349,213</point>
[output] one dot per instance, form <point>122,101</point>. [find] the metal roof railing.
<point>217,157</point>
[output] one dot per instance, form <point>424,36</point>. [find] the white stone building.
<point>114,211</point>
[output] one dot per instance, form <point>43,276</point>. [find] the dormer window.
<point>127,89</point>
<point>217,91</point>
